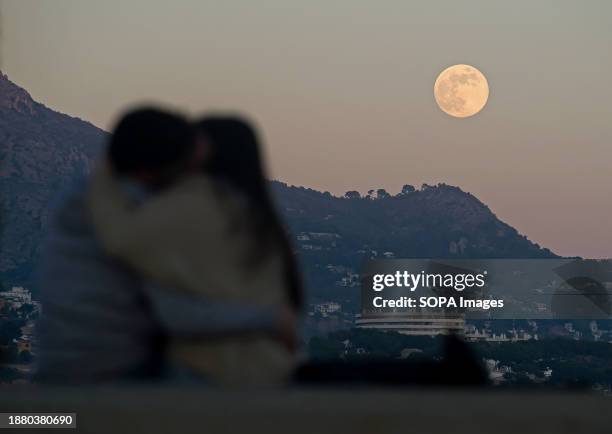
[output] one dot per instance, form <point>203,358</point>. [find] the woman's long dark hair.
<point>236,160</point>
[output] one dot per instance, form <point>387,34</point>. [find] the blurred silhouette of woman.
<point>236,160</point>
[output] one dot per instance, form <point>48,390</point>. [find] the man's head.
<point>151,145</point>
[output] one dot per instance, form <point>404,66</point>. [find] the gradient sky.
<point>343,91</point>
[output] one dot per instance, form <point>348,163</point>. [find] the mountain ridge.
<point>43,151</point>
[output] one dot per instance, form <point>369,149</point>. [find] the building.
<point>302,236</point>
<point>16,297</point>
<point>327,307</point>
<point>415,324</point>
<point>472,334</point>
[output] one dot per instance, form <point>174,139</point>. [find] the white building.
<point>17,296</point>
<point>327,307</point>
<point>415,324</point>
<point>303,237</point>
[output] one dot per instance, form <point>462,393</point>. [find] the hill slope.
<point>436,221</point>
<point>42,151</point>
<point>335,235</point>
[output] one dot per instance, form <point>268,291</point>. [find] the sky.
<point>343,91</point>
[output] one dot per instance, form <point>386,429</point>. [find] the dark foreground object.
<point>151,410</point>
<point>459,367</point>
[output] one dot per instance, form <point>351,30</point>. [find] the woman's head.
<point>235,158</point>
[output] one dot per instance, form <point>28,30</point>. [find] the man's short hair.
<point>150,139</point>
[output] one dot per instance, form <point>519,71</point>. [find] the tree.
<point>381,193</point>
<point>25,310</point>
<point>25,357</point>
<point>407,189</point>
<point>9,330</point>
<point>8,375</point>
<point>352,194</point>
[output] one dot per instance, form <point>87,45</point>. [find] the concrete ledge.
<point>155,409</point>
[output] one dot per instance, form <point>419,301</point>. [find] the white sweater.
<point>195,238</point>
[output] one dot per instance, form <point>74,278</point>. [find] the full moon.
<point>461,91</point>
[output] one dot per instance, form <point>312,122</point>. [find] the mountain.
<point>435,221</point>
<point>43,150</point>
<point>335,235</point>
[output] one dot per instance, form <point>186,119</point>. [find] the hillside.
<point>435,221</point>
<point>43,150</point>
<point>335,235</point>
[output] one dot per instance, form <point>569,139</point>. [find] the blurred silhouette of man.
<point>101,322</point>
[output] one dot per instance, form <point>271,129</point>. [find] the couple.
<point>171,260</point>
